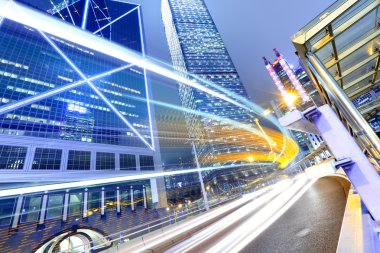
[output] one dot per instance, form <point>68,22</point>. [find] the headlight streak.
<point>240,237</point>
<point>85,183</point>
<point>33,19</point>
<point>227,221</point>
<point>160,238</point>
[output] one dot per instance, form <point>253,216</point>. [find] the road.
<point>311,224</point>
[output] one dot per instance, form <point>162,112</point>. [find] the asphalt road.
<point>312,224</point>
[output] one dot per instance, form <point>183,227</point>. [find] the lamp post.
<point>204,193</point>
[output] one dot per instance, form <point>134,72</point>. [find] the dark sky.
<point>250,30</point>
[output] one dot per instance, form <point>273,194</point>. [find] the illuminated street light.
<point>290,98</point>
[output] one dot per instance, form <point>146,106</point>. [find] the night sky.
<point>250,30</point>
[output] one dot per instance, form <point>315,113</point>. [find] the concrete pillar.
<point>144,196</point>
<point>16,214</point>
<point>93,160</point>
<point>29,158</point>
<point>64,159</point>
<point>138,168</point>
<point>118,209</point>
<point>66,205</point>
<point>158,191</point>
<point>43,209</point>
<point>117,161</point>
<point>102,202</point>
<point>132,199</point>
<point>85,203</point>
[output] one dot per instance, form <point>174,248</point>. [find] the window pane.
<point>125,198</point>
<point>146,162</point>
<point>6,210</point>
<point>138,197</point>
<point>12,157</point>
<point>47,159</point>
<point>94,201</point>
<point>127,162</point>
<point>79,160</point>
<point>55,206</point>
<point>110,200</point>
<point>31,208</point>
<point>105,161</point>
<point>75,203</point>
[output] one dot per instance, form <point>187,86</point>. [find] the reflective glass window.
<point>12,157</point>
<point>55,206</point>
<point>31,208</point>
<point>6,210</point>
<point>110,200</point>
<point>105,161</point>
<point>94,200</point>
<point>47,159</point>
<point>79,160</point>
<point>146,162</point>
<point>75,203</point>
<point>127,162</point>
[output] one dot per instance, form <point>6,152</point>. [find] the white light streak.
<point>52,92</point>
<point>156,240</point>
<point>93,87</point>
<point>254,226</point>
<point>116,19</point>
<point>238,215</point>
<point>110,180</point>
<point>85,14</point>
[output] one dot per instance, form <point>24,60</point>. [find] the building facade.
<point>81,128</point>
<point>74,121</point>
<point>287,81</point>
<point>197,48</point>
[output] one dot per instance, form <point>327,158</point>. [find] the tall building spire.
<point>293,79</point>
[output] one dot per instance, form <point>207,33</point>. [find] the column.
<point>138,168</point>
<point>93,160</point>
<point>118,209</point>
<point>102,202</point>
<point>29,158</point>
<point>132,200</point>
<point>16,214</point>
<point>144,196</point>
<point>85,203</point>
<point>43,209</point>
<point>64,159</point>
<point>117,161</point>
<point>66,205</point>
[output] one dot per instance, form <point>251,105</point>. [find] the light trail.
<point>227,221</point>
<point>117,178</point>
<point>240,237</point>
<point>59,29</point>
<point>156,240</point>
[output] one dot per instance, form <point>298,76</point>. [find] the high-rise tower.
<point>196,47</point>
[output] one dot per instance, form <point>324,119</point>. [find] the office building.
<point>196,47</point>
<point>51,120</point>
<point>290,80</point>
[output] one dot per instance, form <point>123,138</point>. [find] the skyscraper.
<point>293,82</point>
<point>196,47</point>
<point>67,107</point>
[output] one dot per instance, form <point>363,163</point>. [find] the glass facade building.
<point>94,125</point>
<point>284,80</point>
<point>196,47</point>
